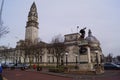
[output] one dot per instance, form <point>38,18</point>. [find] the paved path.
<point>108,75</point>
<point>30,75</point>
<point>44,75</point>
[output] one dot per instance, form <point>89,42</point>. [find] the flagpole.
<point>77,29</point>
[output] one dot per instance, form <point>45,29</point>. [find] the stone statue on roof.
<point>82,32</point>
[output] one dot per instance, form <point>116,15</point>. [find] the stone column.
<point>45,57</point>
<point>90,66</point>
<point>89,57</point>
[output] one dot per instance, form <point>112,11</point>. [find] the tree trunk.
<point>58,61</point>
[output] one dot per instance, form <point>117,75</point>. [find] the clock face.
<point>83,50</point>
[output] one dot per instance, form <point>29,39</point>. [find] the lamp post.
<point>66,58</point>
<point>76,58</point>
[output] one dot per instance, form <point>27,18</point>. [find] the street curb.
<point>5,78</point>
<point>54,74</point>
<point>57,74</point>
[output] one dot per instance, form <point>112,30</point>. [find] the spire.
<point>33,11</point>
<point>89,33</point>
<point>33,16</point>
<point>33,7</point>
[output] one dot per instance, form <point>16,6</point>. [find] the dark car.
<point>20,66</point>
<point>0,69</point>
<point>111,66</point>
<point>26,66</point>
<point>7,65</point>
<point>16,66</point>
<point>4,66</point>
<point>118,64</point>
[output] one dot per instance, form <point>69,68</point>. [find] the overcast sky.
<point>63,17</point>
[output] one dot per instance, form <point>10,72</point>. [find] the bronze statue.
<point>82,31</point>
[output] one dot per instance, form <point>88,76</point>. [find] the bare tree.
<point>5,54</point>
<point>38,53</point>
<point>109,57</point>
<point>24,47</point>
<point>58,48</point>
<point>3,29</point>
<point>57,39</point>
<point>118,57</point>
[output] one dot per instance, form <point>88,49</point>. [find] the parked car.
<point>10,64</point>
<point>118,64</point>
<point>20,66</point>
<point>4,65</point>
<point>0,69</point>
<point>26,66</point>
<point>7,65</point>
<point>111,66</point>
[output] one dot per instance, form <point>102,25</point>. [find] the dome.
<point>92,39</point>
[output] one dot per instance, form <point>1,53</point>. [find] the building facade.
<point>84,52</point>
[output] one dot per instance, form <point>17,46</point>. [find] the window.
<point>53,58</point>
<point>40,58</point>
<point>48,59</point>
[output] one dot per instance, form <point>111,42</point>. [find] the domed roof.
<point>92,39</point>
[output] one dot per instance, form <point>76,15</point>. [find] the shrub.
<point>22,68</point>
<point>39,68</point>
<point>56,70</point>
<point>12,68</point>
<point>76,67</point>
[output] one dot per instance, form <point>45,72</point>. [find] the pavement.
<point>108,75</point>
<point>30,75</point>
<point>45,75</point>
<point>5,78</point>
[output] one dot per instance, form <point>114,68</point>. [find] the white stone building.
<point>83,52</point>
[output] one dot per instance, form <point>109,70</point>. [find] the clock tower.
<point>31,33</point>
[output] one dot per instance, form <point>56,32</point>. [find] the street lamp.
<point>66,58</point>
<point>76,58</point>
